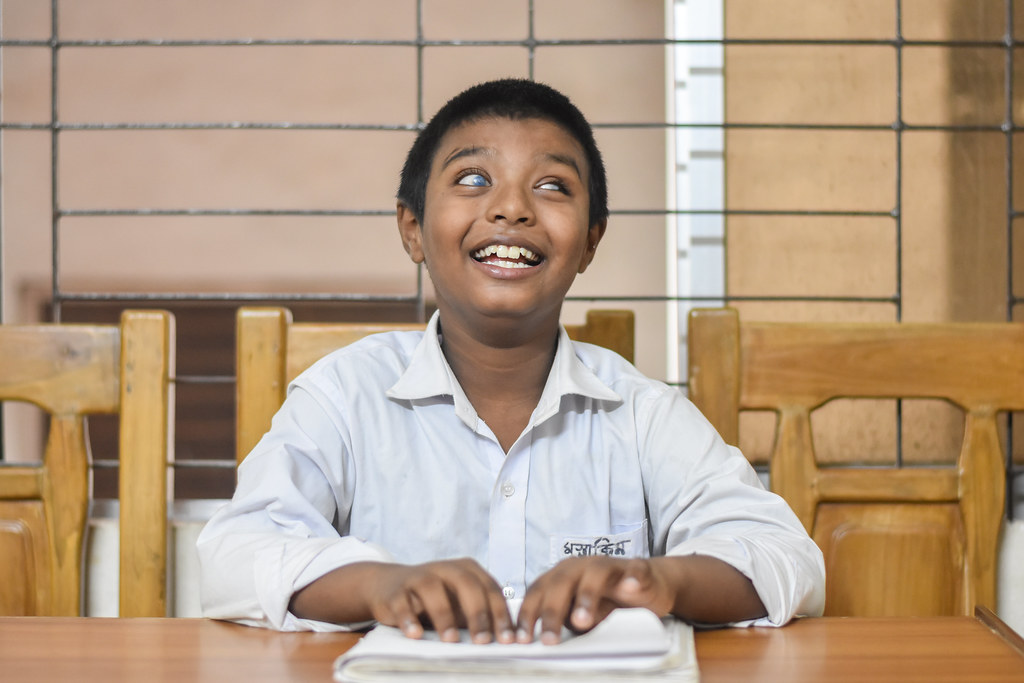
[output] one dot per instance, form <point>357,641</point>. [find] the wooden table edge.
<point>1000,628</point>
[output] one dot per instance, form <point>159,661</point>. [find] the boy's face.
<point>505,226</point>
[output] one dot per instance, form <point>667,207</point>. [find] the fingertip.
<point>523,636</point>
<point>450,635</point>
<point>412,629</point>
<point>630,584</point>
<point>582,618</point>
<point>550,638</point>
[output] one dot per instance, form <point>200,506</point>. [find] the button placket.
<point>507,543</point>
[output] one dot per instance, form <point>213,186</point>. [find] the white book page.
<point>627,642</point>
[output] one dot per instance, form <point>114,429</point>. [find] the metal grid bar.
<point>1012,471</point>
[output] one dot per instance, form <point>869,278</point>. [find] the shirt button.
<point>509,592</point>
<point>508,490</point>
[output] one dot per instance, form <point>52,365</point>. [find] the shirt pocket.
<point>622,541</point>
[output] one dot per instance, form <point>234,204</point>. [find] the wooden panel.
<point>970,364</point>
<point>309,342</point>
<point>25,570</point>
<point>713,360</point>
<point>886,560</point>
<point>146,397</point>
<point>17,578</point>
<point>71,369</point>
<point>611,329</point>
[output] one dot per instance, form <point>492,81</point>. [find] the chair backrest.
<point>897,540</point>
<point>272,350</point>
<point>71,371</point>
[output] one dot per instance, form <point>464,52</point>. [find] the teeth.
<point>503,251</point>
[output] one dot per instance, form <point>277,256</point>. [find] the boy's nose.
<point>511,205</point>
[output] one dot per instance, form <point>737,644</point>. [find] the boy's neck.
<point>502,371</point>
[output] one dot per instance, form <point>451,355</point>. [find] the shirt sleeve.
<point>705,498</point>
<point>278,534</point>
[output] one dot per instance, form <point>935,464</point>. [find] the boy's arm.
<point>445,595</point>
<point>581,592</point>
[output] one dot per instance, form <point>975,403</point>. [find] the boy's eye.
<point>552,185</point>
<point>473,180</point>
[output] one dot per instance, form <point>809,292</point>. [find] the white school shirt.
<point>377,454</point>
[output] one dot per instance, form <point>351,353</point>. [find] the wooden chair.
<point>71,371</point>
<point>897,541</point>
<point>272,350</point>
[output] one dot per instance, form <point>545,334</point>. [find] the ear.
<point>594,235</point>
<point>410,232</point>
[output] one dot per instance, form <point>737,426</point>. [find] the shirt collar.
<point>429,375</point>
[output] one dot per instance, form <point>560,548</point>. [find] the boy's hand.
<point>447,595</point>
<point>580,592</point>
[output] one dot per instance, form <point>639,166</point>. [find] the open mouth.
<point>504,256</point>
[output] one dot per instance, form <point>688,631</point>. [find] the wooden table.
<point>901,650</point>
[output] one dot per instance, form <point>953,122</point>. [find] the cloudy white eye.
<point>473,180</point>
<point>551,185</point>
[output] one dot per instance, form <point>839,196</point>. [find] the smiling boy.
<point>420,479</point>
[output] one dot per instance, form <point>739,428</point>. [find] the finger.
<point>529,611</point>
<point>595,589</point>
<point>554,613</point>
<point>500,618</point>
<point>556,601</point>
<point>641,587</point>
<point>484,609</point>
<point>472,599</point>
<point>404,615</point>
<point>433,594</point>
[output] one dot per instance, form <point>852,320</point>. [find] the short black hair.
<point>508,98</point>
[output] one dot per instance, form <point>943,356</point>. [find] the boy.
<point>420,480</point>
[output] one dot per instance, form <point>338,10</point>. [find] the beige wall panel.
<point>814,19</point>
<point>26,216</point>
<point>631,240</point>
<point>835,84</point>
<point>953,86</point>
<point>449,70</point>
<point>823,311</point>
<point>610,84</point>
<point>606,19</point>
<point>954,19</point>
<point>634,161</point>
<point>954,232</point>
<point>266,169</point>
<point>237,19</point>
<point>300,84</point>
<point>784,170</point>
<point>25,19</point>
<point>26,84</point>
<point>628,241</point>
<point>237,253</point>
<point>826,255</point>
<point>978,250</point>
<point>457,20</point>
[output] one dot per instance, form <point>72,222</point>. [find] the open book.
<point>630,644</point>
